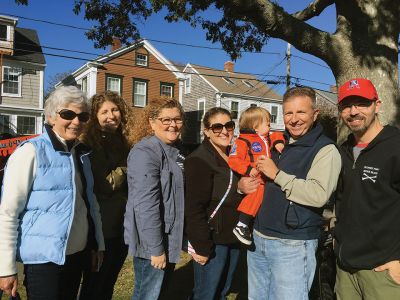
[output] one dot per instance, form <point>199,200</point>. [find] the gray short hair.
<point>63,96</point>
<point>301,91</point>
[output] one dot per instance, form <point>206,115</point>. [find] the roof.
<point>329,96</point>
<point>120,51</point>
<point>236,83</point>
<point>27,47</point>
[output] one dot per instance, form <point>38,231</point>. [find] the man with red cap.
<point>367,231</point>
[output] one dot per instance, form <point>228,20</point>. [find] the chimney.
<point>116,44</point>
<point>229,66</point>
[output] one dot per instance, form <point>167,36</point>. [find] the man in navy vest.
<point>367,239</point>
<point>287,226</point>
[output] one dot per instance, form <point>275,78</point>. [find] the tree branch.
<point>313,10</point>
<point>274,21</point>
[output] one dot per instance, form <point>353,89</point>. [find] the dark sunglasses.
<point>69,115</point>
<point>218,127</point>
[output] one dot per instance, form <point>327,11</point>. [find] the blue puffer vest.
<point>47,218</point>
<point>278,216</point>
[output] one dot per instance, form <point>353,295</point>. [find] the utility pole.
<point>288,67</point>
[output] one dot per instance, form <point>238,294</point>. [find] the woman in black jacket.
<point>208,180</point>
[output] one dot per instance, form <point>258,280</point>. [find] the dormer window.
<point>4,33</point>
<point>228,80</point>
<point>142,60</point>
<point>248,83</point>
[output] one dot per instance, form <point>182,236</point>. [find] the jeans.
<point>49,281</point>
<point>149,281</point>
<point>281,269</point>
<point>214,279</point>
<point>100,285</point>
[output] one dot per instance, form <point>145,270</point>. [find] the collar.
<point>308,139</point>
<point>59,144</point>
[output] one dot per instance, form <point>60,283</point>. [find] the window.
<point>84,85</point>
<point>248,83</point>
<point>26,125</point>
<point>4,33</point>
<point>274,113</point>
<point>188,83</point>
<point>166,89</point>
<point>201,107</point>
<point>113,83</point>
<point>140,93</point>
<point>5,126</point>
<point>141,59</point>
<point>234,109</point>
<point>228,80</point>
<point>11,81</point>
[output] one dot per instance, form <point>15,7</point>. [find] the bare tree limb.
<point>313,10</point>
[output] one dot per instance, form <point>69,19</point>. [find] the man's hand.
<point>267,166</point>
<point>394,270</point>
<point>248,185</point>
<point>9,285</point>
<point>97,260</point>
<point>254,172</point>
<point>159,262</point>
<point>202,260</point>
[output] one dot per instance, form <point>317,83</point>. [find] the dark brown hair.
<point>213,112</point>
<point>92,133</point>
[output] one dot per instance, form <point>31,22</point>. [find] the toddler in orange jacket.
<point>254,125</point>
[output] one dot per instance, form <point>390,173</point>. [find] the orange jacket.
<point>246,150</point>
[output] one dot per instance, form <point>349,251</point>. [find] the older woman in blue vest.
<point>154,213</point>
<point>49,217</point>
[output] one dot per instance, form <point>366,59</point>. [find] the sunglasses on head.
<point>69,115</point>
<point>218,127</point>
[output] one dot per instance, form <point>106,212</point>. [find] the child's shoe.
<point>243,234</point>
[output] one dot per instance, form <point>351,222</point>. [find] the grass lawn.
<point>180,285</point>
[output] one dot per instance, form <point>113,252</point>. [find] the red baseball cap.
<point>358,87</point>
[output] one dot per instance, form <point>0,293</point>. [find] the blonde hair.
<point>252,117</point>
<point>139,127</point>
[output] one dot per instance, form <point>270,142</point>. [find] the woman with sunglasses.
<point>211,200</point>
<point>154,213</point>
<point>49,217</point>
<point>106,134</point>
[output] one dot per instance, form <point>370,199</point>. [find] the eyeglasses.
<point>218,127</point>
<point>69,115</point>
<point>168,121</point>
<point>359,105</point>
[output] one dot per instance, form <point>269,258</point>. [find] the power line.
<point>161,41</point>
<point>310,61</point>
<point>152,40</point>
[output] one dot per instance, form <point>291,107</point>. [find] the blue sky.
<point>156,28</point>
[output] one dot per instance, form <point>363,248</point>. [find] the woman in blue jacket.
<point>49,217</point>
<point>154,213</point>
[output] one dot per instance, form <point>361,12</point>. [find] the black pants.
<point>50,281</point>
<point>100,285</point>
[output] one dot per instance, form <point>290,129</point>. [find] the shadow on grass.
<point>181,284</point>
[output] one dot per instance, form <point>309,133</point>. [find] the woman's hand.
<point>248,185</point>
<point>159,262</point>
<point>9,285</point>
<point>97,260</point>
<point>202,260</point>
